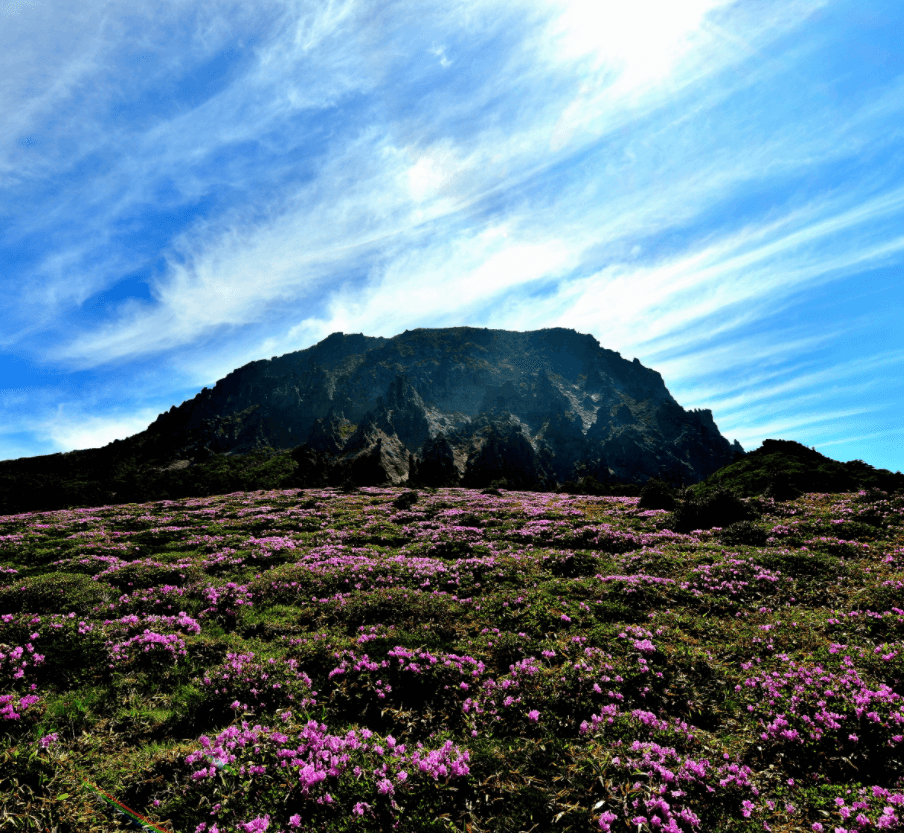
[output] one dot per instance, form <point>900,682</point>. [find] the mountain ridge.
<point>555,383</point>
<point>445,407</point>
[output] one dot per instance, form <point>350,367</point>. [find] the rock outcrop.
<point>449,405</point>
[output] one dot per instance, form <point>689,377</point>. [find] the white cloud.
<point>597,165</point>
<point>642,40</point>
<point>70,429</point>
<point>807,425</point>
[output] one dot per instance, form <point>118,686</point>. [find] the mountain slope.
<point>577,404</point>
<point>458,405</point>
<point>792,468</point>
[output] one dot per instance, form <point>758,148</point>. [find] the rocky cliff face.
<point>534,407</point>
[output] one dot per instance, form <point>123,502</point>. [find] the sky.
<point>713,187</point>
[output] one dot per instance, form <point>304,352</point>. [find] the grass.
<point>316,660</point>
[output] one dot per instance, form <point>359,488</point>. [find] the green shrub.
<point>139,575</point>
<point>656,494</point>
<point>55,593</point>
<point>743,533</point>
<point>572,565</point>
<point>780,487</point>
<point>720,507</point>
<point>406,500</point>
<point>872,495</point>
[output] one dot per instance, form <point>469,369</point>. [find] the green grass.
<point>510,596</point>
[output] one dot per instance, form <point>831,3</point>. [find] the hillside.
<point>792,468</point>
<point>438,407</point>
<point>451,661</point>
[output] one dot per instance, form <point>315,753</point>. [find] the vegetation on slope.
<point>121,474</point>
<point>454,660</point>
<point>788,468</point>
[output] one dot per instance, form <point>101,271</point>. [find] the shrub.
<point>141,574</point>
<point>572,565</point>
<point>591,486</point>
<point>54,593</point>
<point>656,494</point>
<point>721,507</point>
<point>744,533</point>
<point>779,486</point>
<point>406,500</point>
<point>871,495</point>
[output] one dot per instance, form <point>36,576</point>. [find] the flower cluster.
<point>314,766</point>
<point>150,646</point>
<point>246,684</point>
<point>674,790</point>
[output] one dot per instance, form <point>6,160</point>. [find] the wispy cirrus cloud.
<point>688,181</point>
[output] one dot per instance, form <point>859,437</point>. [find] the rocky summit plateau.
<point>451,406</point>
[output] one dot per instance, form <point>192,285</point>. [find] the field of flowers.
<point>453,660</point>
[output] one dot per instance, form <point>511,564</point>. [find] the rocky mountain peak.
<point>546,400</point>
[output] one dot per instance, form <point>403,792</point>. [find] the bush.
<point>143,575</point>
<point>592,487</point>
<point>779,486</point>
<point>55,593</point>
<point>871,495</point>
<point>406,500</point>
<point>656,494</point>
<point>572,565</point>
<point>744,533</point>
<point>721,507</point>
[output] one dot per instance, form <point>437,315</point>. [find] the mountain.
<point>783,468</point>
<point>432,407</point>
<point>547,405</point>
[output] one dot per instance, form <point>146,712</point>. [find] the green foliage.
<point>55,593</point>
<point>744,533</point>
<point>485,600</point>
<point>406,500</point>
<point>783,469</point>
<point>590,485</point>
<point>656,494</point>
<point>110,476</point>
<point>719,507</point>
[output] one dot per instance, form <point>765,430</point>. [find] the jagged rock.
<point>402,411</point>
<point>374,456</point>
<point>532,397</point>
<point>579,407</point>
<point>506,455</point>
<point>436,467</point>
<point>326,433</point>
<point>564,445</point>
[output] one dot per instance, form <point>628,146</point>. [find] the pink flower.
<point>533,715</point>
<point>606,819</point>
<point>258,825</point>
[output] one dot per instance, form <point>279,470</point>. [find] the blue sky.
<point>714,187</point>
